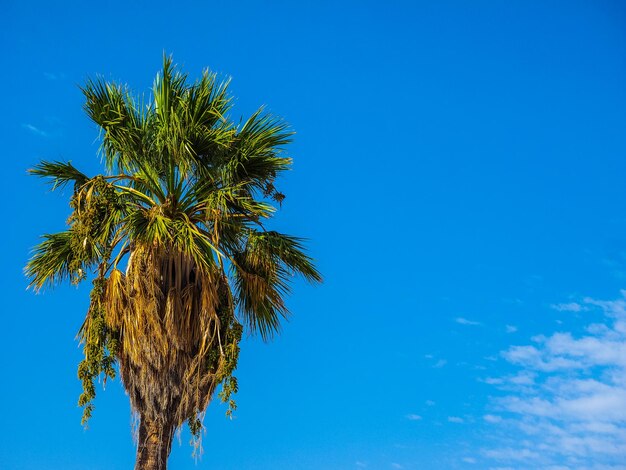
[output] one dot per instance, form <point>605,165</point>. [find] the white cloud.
<point>534,358</point>
<point>494,380</point>
<point>465,321</point>
<point>523,378</point>
<point>440,363</point>
<point>492,418</point>
<point>511,328</point>
<point>567,402</point>
<point>430,403</point>
<point>455,419</point>
<point>54,76</point>
<point>35,130</point>
<point>469,460</point>
<point>396,465</point>
<point>511,454</point>
<point>569,307</point>
<point>413,417</point>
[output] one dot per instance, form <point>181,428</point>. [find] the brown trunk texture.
<point>154,444</point>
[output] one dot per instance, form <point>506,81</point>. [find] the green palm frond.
<point>262,272</point>
<point>54,260</point>
<point>287,250</point>
<point>61,173</point>
<point>207,102</point>
<point>168,90</point>
<point>114,110</point>
<point>227,201</point>
<point>259,291</point>
<point>257,151</point>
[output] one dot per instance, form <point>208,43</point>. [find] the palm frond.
<point>257,150</point>
<point>262,273</point>
<point>168,89</point>
<point>207,102</point>
<point>226,201</point>
<point>61,173</point>
<point>286,249</point>
<point>259,292</point>
<point>112,108</point>
<point>53,261</point>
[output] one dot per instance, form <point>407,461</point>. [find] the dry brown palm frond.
<point>172,316</point>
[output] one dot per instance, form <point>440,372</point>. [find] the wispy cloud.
<point>492,418</point>
<point>512,454</point>
<point>413,417</point>
<point>455,419</point>
<point>35,130</point>
<point>569,307</point>
<point>439,364</point>
<point>568,399</point>
<point>54,76</point>
<point>465,321</point>
<point>510,328</point>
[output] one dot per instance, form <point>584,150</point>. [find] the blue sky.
<point>459,170</point>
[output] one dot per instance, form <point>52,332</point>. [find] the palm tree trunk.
<point>154,444</point>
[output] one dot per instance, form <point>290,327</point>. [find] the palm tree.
<point>174,237</point>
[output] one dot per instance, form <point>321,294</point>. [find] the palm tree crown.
<point>174,234</point>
